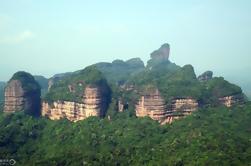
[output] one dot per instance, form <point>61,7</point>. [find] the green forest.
<point>215,136</point>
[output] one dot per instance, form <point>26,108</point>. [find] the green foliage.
<point>119,71</point>
<point>29,84</point>
<point>2,86</point>
<point>77,81</point>
<point>215,136</point>
<point>43,82</point>
<point>174,81</point>
<point>220,87</point>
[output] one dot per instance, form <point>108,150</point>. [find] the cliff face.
<point>229,101</point>
<point>94,103</point>
<point>14,97</point>
<point>153,105</point>
<point>22,93</point>
<point>180,107</point>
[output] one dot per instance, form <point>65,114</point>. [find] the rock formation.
<point>14,97</point>
<point>229,101</point>
<point>22,93</point>
<point>180,107</point>
<point>162,53</point>
<point>208,75</point>
<point>122,106</point>
<point>94,103</point>
<point>153,105</point>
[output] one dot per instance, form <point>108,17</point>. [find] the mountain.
<point>119,71</point>
<point>125,113</point>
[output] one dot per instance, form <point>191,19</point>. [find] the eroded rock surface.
<point>14,97</point>
<point>162,53</point>
<point>94,103</point>
<point>22,93</point>
<point>229,101</point>
<point>153,105</point>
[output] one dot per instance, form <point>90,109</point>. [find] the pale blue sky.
<point>52,36</point>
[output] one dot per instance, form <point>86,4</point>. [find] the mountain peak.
<point>162,53</point>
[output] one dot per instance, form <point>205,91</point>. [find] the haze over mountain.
<point>213,33</point>
<point>96,83</point>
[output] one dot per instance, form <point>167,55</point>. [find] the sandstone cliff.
<point>14,97</point>
<point>153,105</point>
<point>94,103</point>
<point>229,101</point>
<point>22,93</point>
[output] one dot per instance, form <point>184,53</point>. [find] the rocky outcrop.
<point>122,105</point>
<point>94,103</point>
<point>229,101</point>
<point>208,75</point>
<point>180,107</point>
<point>14,97</point>
<point>153,105</point>
<point>22,93</point>
<point>162,53</point>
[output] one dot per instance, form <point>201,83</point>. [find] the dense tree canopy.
<point>216,136</point>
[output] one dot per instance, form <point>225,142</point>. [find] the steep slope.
<point>2,86</point>
<point>119,71</point>
<point>22,93</point>
<point>178,87</point>
<point>78,96</point>
<point>43,82</point>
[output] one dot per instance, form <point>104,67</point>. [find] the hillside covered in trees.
<point>214,136</point>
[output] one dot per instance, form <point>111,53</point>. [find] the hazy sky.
<point>51,36</point>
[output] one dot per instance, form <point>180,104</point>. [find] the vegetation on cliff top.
<point>43,82</point>
<point>119,71</point>
<point>71,88</point>
<point>29,84</point>
<point>215,136</point>
<point>174,81</point>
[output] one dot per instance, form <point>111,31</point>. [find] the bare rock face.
<point>208,75</point>
<point>162,53</point>
<point>22,93</point>
<point>94,104</point>
<point>229,101</point>
<point>14,97</point>
<point>180,107</point>
<point>153,105</point>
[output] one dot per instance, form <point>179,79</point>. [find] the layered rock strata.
<point>18,98</point>
<point>14,97</point>
<point>153,105</point>
<point>93,104</point>
<point>180,107</point>
<point>229,101</point>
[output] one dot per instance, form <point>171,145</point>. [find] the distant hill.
<point>119,71</point>
<point>43,82</point>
